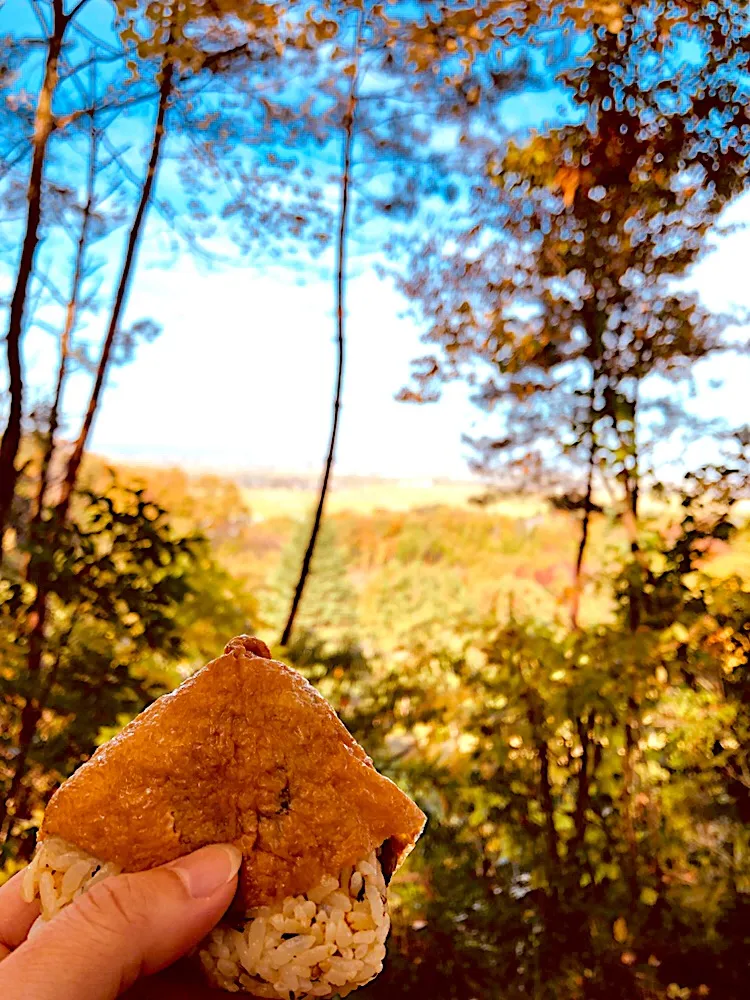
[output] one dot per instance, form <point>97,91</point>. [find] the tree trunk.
<point>549,809</point>
<point>32,710</point>
<point>74,462</point>
<point>29,720</point>
<point>535,716</point>
<point>630,521</point>
<point>340,318</point>
<point>594,324</point>
<point>71,313</point>
<point>44,124</point>
<point>631,745</point>
<point>635,605</point>
<point>631,486</point>
<point>575,603</point>
<point>583,797</point>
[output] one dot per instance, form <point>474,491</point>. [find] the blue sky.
<point>241,375</point>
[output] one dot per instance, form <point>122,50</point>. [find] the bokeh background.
<point>411,337</point>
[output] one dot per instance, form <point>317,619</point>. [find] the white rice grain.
<point>327,886</point>
<point>363,937</point>
<point>344,936</point>
<point>28,882</point>
<point>339,901</point>
<point>375,901</point>
<point>73,878</point>
<point>254,944</point>
<point>47,894</point>
<point>289,949</point>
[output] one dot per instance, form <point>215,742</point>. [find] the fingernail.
<point>210,868</point>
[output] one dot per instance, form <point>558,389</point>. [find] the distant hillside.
<point>278,479</point>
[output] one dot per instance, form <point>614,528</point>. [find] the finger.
<point>126,926</point>
<point>16,915</point>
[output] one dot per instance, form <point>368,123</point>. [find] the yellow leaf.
<point>656,741</point>
<point>620,930</point>
<point>649,896</point>
<point>680,633</point>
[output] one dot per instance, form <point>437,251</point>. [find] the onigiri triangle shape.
<point>244,752</point>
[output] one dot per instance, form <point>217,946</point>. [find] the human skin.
<point>125,928</point>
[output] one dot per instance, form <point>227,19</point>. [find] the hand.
<point>125,927</point>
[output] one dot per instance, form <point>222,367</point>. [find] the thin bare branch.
<point>349,130</point>
<point>163,208</point>
<point>64,121</point>
<point>95,40</point>
<point>39,15</point>
<point>46,282</point>
<point>76,9</point>
<point>9,161</point>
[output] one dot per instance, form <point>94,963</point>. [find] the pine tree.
<point>328,607</point>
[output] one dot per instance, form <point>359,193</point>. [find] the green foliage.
<point>128,606</point>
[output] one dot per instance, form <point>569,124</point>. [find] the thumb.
<point>125,927</point>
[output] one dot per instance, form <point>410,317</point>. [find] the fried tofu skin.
<point>244,752</point>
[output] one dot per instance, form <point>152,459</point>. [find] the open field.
<point>266,502</point>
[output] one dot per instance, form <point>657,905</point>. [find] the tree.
<point>562,300</point>
<point>348,127</point>
<point>329,606</point>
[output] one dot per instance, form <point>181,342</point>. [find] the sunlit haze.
<point>241,375</point>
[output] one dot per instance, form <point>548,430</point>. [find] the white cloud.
<point>242,377</point>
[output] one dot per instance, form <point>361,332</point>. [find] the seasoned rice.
<point>327,942</point>
<point>60,873</point>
